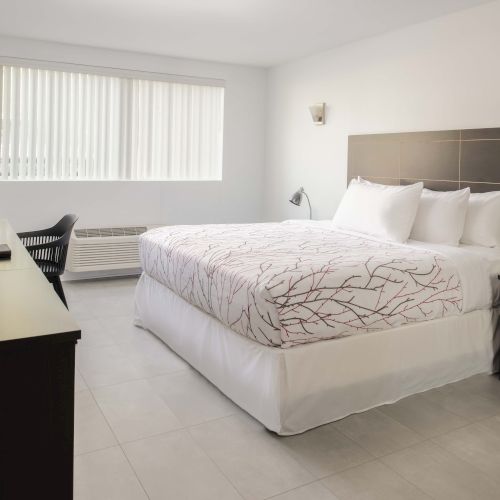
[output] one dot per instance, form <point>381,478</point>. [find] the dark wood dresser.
<point>37,375</point>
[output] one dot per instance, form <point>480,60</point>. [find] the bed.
<point>301,324</point>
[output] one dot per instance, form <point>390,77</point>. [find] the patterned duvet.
<point>290,283</point>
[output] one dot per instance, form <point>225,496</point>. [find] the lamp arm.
<point>309,203</point>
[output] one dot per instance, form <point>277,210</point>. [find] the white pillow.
<point>482,222</point>
<point>441,216</point>
<point>385,212</point>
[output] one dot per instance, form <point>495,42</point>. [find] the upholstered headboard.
<point>443,160</point>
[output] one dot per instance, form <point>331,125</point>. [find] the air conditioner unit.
<point>105,248</point>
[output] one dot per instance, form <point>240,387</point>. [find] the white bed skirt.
<point>293,390</point>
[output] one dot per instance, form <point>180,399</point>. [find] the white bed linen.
<point>292,390</point>
<point>476,267</point>
<point>491,255</point>
<point>285,284</point>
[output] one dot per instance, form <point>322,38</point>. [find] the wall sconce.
<point>318,113</point>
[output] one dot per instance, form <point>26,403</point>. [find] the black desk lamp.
<point>296,199</point>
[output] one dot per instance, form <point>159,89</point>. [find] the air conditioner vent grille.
<point>109,232</point>
<point>105,248</point>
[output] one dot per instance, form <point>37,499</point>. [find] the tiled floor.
<point>148,426</point>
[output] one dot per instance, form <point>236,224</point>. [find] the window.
<point>61,125</point>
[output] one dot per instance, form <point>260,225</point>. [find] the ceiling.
<point>255,32</point>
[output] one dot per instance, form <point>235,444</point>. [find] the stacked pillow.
<point>385,212</point>
<point>396,213</point>
<point>482,225</point>
<point>441,216</point>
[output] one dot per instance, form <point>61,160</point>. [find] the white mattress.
<point>292,390</point>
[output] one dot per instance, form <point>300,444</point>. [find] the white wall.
<point>442,74</point>
<point>437,75</point>
<point>235,199</point>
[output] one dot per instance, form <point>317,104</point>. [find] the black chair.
<point>49,248</point>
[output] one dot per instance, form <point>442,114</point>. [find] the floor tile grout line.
<point>177,429</point>
<point>460,457</point>
<point>89,452</point>
<point>321,479</point>
<point>371,456</point>
<point>83,378</point>
<point>450,431</point>
<point>366,449</point>
<point>419,488</point>
<point>186,430</point>
<point>487,397</point>
<point>114,384</point>
<point>119,444</point>
<point>293,489</point>
<point>422,394</point>
<point>228,479</point>
<point>182,428</point>
<point>470,421</point>
<point>142,437</point>
<point>429,438</point>
<point>425,440</point>
<point>379,458</point>
<point>193,426</point>
<point>134,471</point>
<point>414,483</point>
<point>438,403</point>
<point>433,441</point>
<point>423,437</point>
<point>479,421</point>
<point>349,468</point>
<point>151,436</point>
<point>384,455</point>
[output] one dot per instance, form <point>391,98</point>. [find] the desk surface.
<point>29,307</point>
<point>20,258</point>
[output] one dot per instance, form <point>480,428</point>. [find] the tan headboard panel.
<point>443,160</point>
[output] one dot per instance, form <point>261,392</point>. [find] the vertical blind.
<point>61,125</point>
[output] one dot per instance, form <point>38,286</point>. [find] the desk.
<point>37,368</point>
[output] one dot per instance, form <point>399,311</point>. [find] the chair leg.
<point>56,283</point>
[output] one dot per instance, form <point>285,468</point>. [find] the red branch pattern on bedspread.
<point>290,283</point>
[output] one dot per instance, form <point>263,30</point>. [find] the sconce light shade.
<point>318,113</point>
